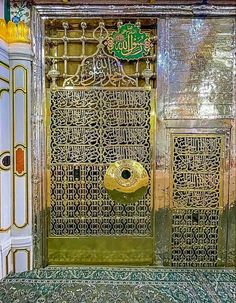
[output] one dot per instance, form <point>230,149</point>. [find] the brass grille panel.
<point>77,50</point>
<point>196,189</point>
<point>89,129</point>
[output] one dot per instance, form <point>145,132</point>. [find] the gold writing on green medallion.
<point>129,43</point>
<point>126,181</point>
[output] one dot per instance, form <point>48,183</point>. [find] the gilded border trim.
<point>5,65</point>
<point>24,90</point>
<point>4,80</point>
<point>4,90</point>
<point>15,251</point>
<point>7,261</point>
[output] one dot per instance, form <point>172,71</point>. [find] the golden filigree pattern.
<point>77,55</point>
<point>196,165</point>
<point>89,130</point>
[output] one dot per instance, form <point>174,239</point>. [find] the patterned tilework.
<point>20,11</point>
<point>123,285</point>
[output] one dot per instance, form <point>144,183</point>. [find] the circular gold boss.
<point>126,181</point>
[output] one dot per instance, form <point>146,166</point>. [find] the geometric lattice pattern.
<point>196,177</point>
<point>89,129</point>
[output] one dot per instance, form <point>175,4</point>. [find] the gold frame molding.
<point>23,145</point>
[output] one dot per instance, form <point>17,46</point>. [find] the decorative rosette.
<point>126,181</point>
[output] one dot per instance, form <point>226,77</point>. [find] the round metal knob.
<point>126,181</point>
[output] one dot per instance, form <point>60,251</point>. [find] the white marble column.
<point>20,58</point>
<point>15,190</point>
<point>5,161</point>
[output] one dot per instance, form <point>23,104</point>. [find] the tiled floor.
<point>118,284</point>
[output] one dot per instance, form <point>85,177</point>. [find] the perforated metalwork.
<point>89,130</point>
<point>196,176</point>
<point>77,54</point>
<point>100,69</point>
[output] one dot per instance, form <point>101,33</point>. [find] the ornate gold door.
<point>100,116</point>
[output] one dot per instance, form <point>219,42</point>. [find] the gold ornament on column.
<point>3,29</point>
<point>14,33</point>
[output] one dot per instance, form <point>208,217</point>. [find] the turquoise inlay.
<point>7,10</point>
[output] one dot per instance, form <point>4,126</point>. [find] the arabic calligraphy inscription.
<point>129,43</point>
